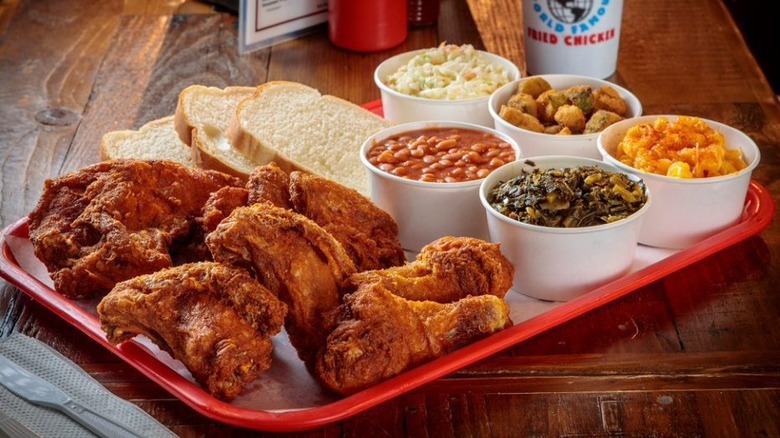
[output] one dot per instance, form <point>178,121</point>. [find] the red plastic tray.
<point>15,246</point>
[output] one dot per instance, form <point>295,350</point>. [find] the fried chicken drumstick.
<point>380,335</point>
<point>446,270</point>
<point>396,318</point>
<point>217,320</point>
<point>114,220</point>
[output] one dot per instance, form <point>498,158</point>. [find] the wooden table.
<point>696,353</point>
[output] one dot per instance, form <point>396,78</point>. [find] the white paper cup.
<point>582,38</point>
<point>426,211</point>
<point>686,211</point>
<point>403,108</point>
<point>560,264</point>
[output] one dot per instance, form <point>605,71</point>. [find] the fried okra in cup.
<point>578,109</point>
<point>560,114</point>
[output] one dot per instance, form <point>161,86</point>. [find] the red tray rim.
<point>758,214</point>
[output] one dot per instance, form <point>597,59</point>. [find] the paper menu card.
<point>263,23</point>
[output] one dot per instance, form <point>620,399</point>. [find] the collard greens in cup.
<point>559,263</point>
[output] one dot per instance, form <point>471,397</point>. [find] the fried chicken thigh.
<point>217,320</point>
<point>117,219</point>
<point>445,271</point>
<point>380,334</point>
<point>293,257</point>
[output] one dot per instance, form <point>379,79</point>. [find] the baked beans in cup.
<point>441,154</point>
<point>427,175</point>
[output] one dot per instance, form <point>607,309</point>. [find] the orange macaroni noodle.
<point>687,148</point>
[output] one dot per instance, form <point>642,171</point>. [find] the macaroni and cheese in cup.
<point>698,171</point>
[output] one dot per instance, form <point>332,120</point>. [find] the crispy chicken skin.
<point>380,334</point>
<point>269,183</point>
<point>393,319</point>
<point>217,320</point>
<point>445,271</point>
<point>368,233</point>
<point>117,219</point>
<point>219,206</point>
<point>293,257</point>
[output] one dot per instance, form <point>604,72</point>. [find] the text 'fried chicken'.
<point>114,220</point>
<point>217,320</point>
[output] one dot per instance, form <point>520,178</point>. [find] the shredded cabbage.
<point>448,72</point>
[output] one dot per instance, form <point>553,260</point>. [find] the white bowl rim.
<point>422,124</point>
<point>688,181</point>
<point>583,161</point>
<point>513,72</point>
<point>562,138</point>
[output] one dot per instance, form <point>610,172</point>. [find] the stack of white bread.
<point>236,129</point>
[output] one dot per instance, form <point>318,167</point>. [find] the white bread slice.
<point>205,112</point>
<point>199,105</point>
<point>154,140</point>
<point>300,129</point>
<point>211,150</point>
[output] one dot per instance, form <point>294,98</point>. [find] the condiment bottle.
<point>367,25</point>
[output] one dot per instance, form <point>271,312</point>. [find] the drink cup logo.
<point>570,11</point>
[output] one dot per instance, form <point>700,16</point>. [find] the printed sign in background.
<point>263,23</point>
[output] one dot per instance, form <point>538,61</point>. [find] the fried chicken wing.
<point>117,219</point>
<point>368,233</point>
<point>379,334</point>
<point>445,271</point>
<point>293,257</point>
<point>217,320</point>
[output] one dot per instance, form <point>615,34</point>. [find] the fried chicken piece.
<point>219,206</point>
<point>368,233</point>
<point>293,257</point>
<point>446,270</point>
<point>269,183</point>
<point>380,335</point>
<point>117,219</point>
<point>217,320</point>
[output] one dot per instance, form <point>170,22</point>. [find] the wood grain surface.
<point>694,354</point>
